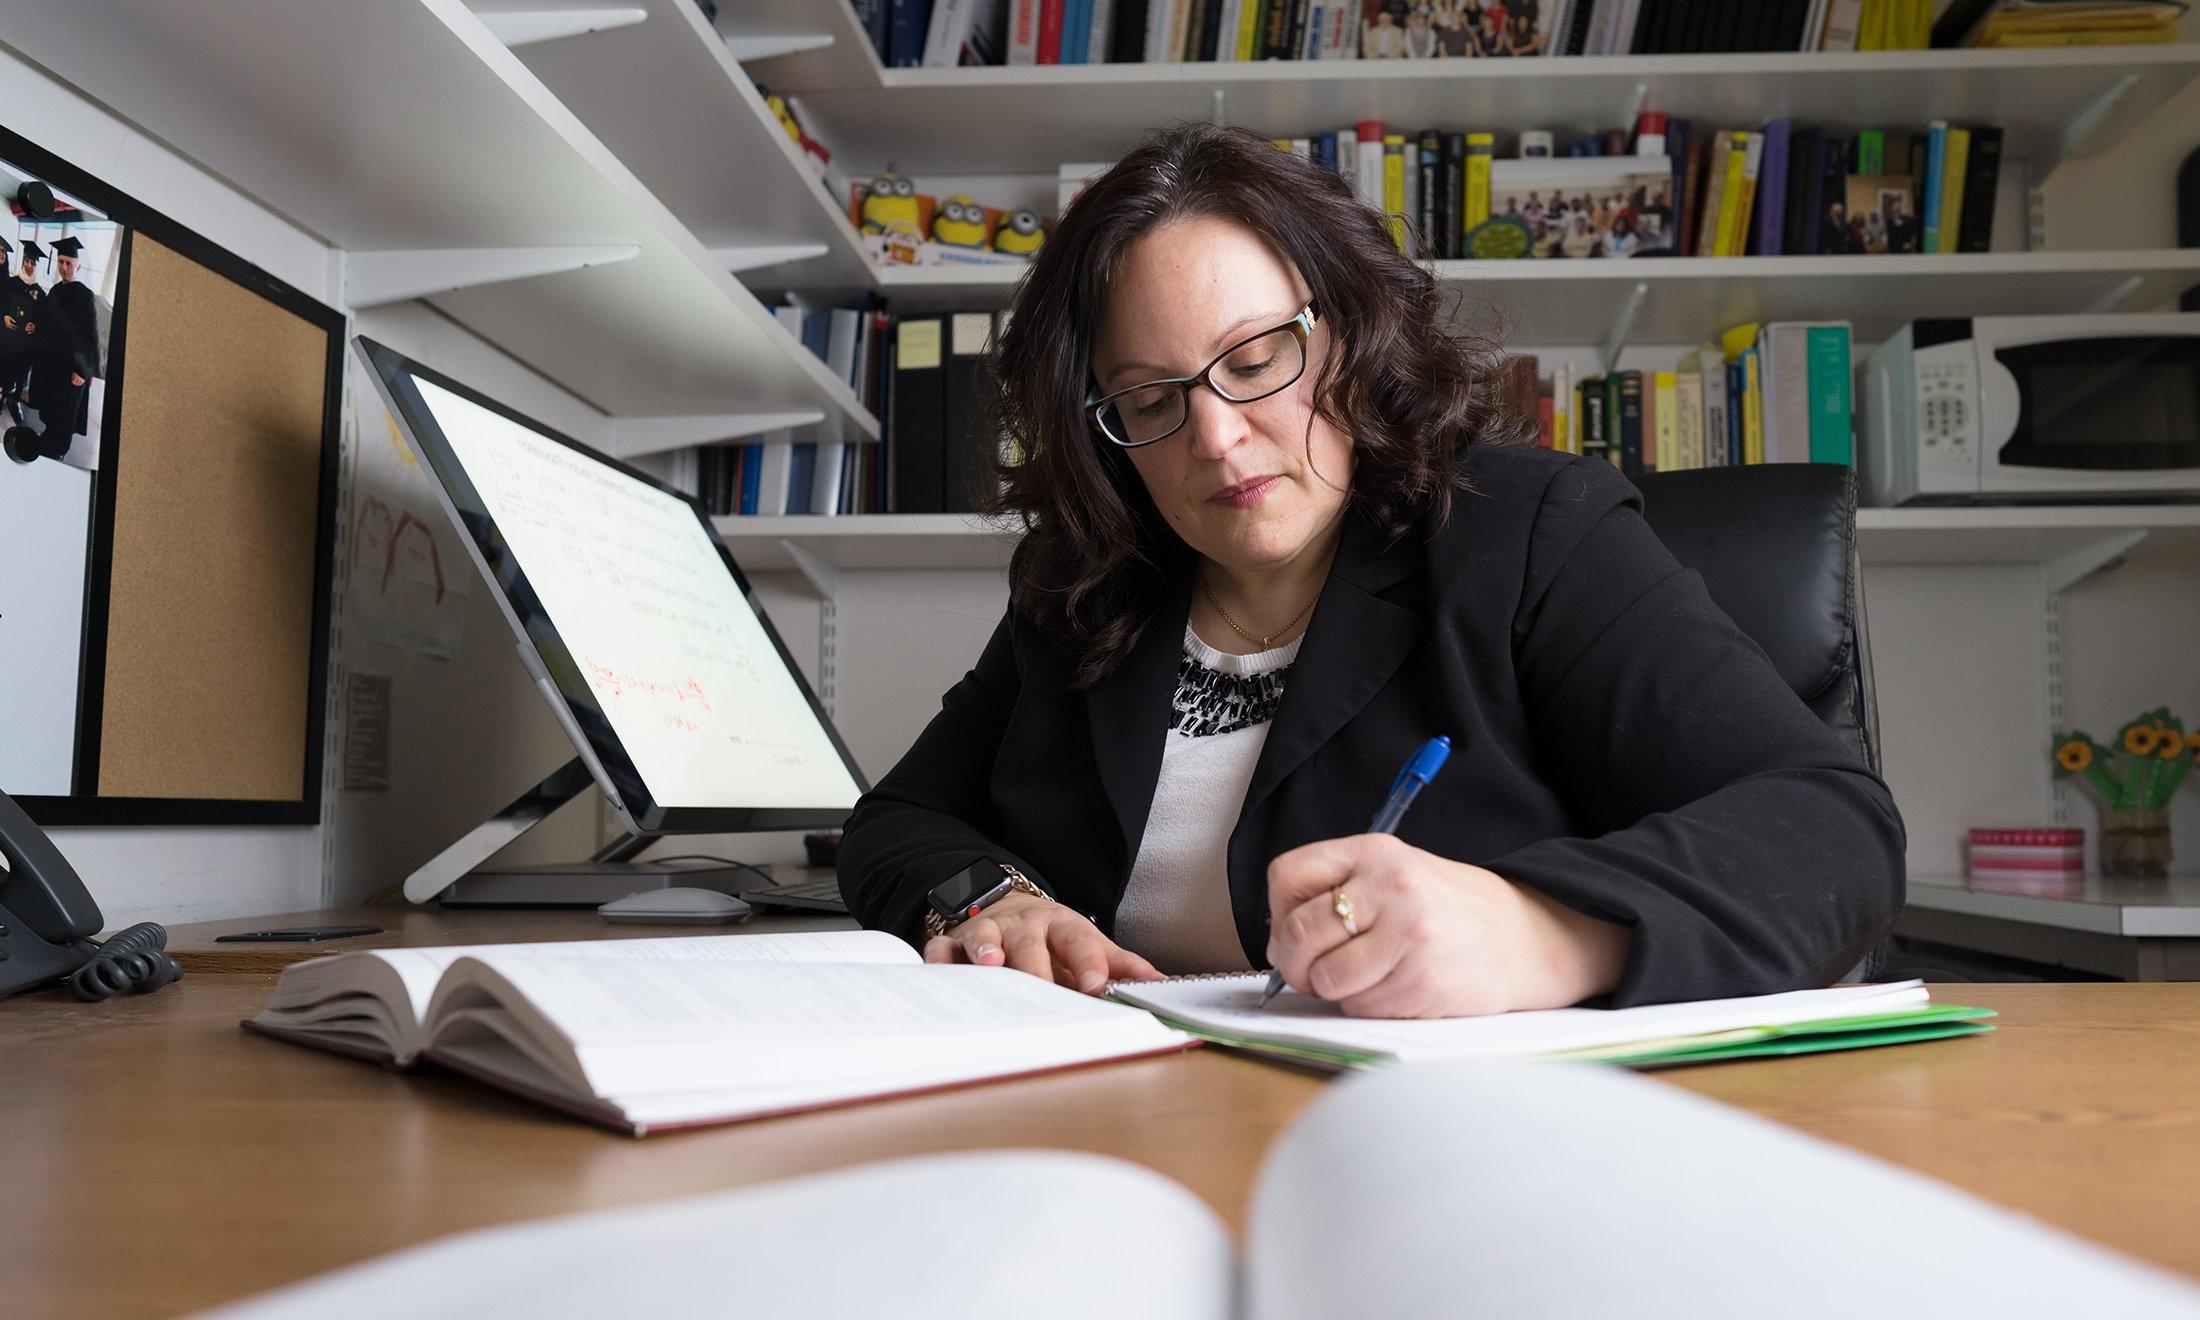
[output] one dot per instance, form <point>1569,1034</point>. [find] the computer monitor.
<point>636,625</point>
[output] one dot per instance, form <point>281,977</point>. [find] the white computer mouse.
<point>677,906</point>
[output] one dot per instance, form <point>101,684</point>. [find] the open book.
<point>660,1033</point>
<point>1470,1189</point>
<point>1226,1009</point>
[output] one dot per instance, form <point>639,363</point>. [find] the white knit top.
<point>1176,913</point>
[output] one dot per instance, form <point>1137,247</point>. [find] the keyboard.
<point>803,895</point>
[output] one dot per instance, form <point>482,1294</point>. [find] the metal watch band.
<point>935,924</point>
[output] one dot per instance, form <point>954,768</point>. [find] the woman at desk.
<point>1280,534</point>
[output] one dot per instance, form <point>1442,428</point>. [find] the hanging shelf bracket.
<point>372,279</point>
<point>525,27</point>
<point>746,49</point>
<point>756,257</point>
<point>1615,340</point>
<point>634,436</point>
<point>2071,567</point>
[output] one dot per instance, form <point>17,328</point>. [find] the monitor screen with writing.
<point>635,620</point>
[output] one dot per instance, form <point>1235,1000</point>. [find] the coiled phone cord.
<point>133,962</point>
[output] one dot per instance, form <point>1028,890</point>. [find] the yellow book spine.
<point>1955,159</point>
<point>1480,147</point>
<point>1560,405</point>
<point>1745,211</point>
<point>1661,449</point>
<point>1248,33</point>
<point>1730,194</point>
<point>1688,400</point>
<point>1872,34</point>
<point>1394,186</point>
<point>1753,411</point>
<point>1914,24</point>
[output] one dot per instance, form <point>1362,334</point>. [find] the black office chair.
<point>1776,546</point>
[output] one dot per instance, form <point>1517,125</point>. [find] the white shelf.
<point>2043,535</point>
<point>1688,298</point>
<point>849,61</point>
<point>1027,119</point>
<point>702,140</point>
<point>1888,537</point>
<point>403,125</point>
<point>870,541</point>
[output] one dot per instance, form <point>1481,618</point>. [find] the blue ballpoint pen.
<point>1410,781</point>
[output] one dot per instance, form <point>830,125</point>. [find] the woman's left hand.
<point>1437,938</point>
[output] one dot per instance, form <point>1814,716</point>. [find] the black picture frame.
<point>82,805</point>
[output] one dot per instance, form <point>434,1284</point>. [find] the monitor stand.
<point>457,878</point>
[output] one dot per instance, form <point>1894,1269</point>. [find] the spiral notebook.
<point>1225,1008</point>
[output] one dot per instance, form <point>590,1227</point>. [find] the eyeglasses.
<point>1250,369</point>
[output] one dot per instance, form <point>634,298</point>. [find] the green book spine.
<point>1871,152</point>
<point>1630,423</point>
<point>1830,403</point>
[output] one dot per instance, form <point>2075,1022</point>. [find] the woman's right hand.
<point>1042,937</point>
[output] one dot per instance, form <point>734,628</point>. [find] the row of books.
<point>1777,393</point>
<point>1682,27</point>
<point>945,33</point>
<point>921,376</point>
<point>1780,189</point>
<point>1788,189</point>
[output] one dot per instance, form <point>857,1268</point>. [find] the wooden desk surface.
<point>160,1160</point>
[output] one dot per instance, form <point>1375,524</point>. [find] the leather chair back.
<point>1776,546</point>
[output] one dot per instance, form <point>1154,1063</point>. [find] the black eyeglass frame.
<point>1303,323</point>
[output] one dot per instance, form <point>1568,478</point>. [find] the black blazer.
<point>1617,743</point>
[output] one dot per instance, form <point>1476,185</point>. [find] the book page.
<point>406,978</point>
<point>632,1027</point>
<point>1231,1006</point>
<point>1512,1189</point>
<point>995,1235</point>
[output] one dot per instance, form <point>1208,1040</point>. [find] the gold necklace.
<point>1256,639</point>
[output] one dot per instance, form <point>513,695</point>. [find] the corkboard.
<point>210,605</point>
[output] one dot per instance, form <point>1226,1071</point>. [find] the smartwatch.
<point>972,890</point>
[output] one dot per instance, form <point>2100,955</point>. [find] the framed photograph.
<point>1586,206</point>
<point>1879,215</point>
<point>1455,29</point>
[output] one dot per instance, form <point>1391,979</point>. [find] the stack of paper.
<point>1226,1010</point>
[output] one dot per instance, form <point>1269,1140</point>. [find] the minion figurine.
<point>959,222</point>
<point>1020,233</point>
<point>890,202</point>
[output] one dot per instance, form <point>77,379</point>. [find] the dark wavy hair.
<point>1408,389</point>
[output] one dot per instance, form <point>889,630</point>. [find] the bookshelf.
<point>2050,104</point>
<point>417,143</point>
<point>1685,298</point>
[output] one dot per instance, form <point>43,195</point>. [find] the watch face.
<point>953,897</point>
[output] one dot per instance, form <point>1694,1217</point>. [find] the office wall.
<point>173,873</point>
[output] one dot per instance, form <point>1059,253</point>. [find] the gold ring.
<point>1342,906</point>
